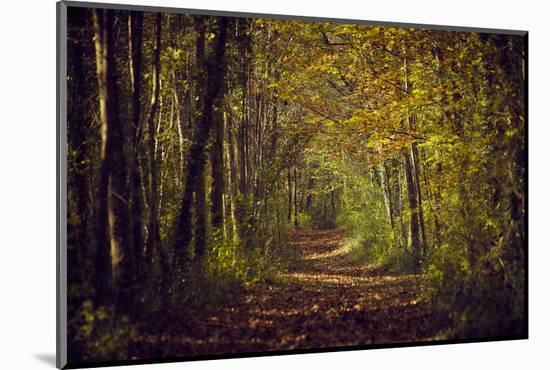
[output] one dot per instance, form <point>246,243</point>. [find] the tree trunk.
<point>289,179</point>
<point>135,36</point>
<point>412,183</point>
<point>295,198</point>
<point>80,241</point>
<point>324,209</point>
<point>413,206</point>
<point>232,176</point>
<point>416,171</point>
<point>386,189</point>
<point>215,72</point>
<point>153,236</point>
<point>216,160</point>
<point>115,246</point>
<point>309,197</point>
<point>200,217</point>
<point>333,202</point>
<point>199,191</point>
<point>242,135</point>
<point>397,165</point>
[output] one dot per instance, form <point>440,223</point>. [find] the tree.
<point>114,254</point>
<point>135,38</point>
<point>153,237</point>
<point>215,69</point>
<point>80,241</point>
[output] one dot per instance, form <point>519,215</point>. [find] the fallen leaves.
<point>325,300</point>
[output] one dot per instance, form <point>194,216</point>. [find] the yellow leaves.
<point>476,61</point>
<point>512,132</point>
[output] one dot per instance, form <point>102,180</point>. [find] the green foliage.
<point>370,238</point>
<point>100,333</point>
<point>211,279</point>
<point>227,267</point>
<point>368,242</point>
<point>225,263</point>
<point>305,220</point>
<point>474,302</point>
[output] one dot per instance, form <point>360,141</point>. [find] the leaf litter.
<point>325,300</point>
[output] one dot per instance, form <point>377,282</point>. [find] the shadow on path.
<point>324,300</point>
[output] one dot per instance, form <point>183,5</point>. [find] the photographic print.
<point>241,185</point>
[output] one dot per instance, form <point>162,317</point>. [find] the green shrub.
<point>369,237</point>
<point>475,300</point>
<point>305,220</point>
<point>99,333</point>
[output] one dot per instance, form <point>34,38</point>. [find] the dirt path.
<point>325,301</point>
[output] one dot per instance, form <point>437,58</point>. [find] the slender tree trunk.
<point>309,197</point>
<point>242,139</point>
<point>114,247</point>
<point>135,36</point>
<point>412,183</point>
<point>232,176</point>
<point>434,202</point>
<point>215,72</point>
<point>242,150</point>
<point>200,217</point>
<point>416,171</point>
<point>181,139</point>
<point>289,179</point>
<point>413,206</point>
<point>153,237</point>
<point>333,202</point>
<point>242,135</point>
<point>386,189</point>
<point>199,191</point>
<point>80,241</point>
<point>324,209</point>
<point>295,197</point>
<point>216,160</point>
<point>398,166</point>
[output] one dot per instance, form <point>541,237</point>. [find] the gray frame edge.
<point>61,186</point>
<point>224,13</point>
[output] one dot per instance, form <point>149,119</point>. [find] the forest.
<point>241,185</point>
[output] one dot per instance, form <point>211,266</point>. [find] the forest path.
<point>325,300</point>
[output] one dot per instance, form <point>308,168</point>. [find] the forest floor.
<point>325,299</point>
